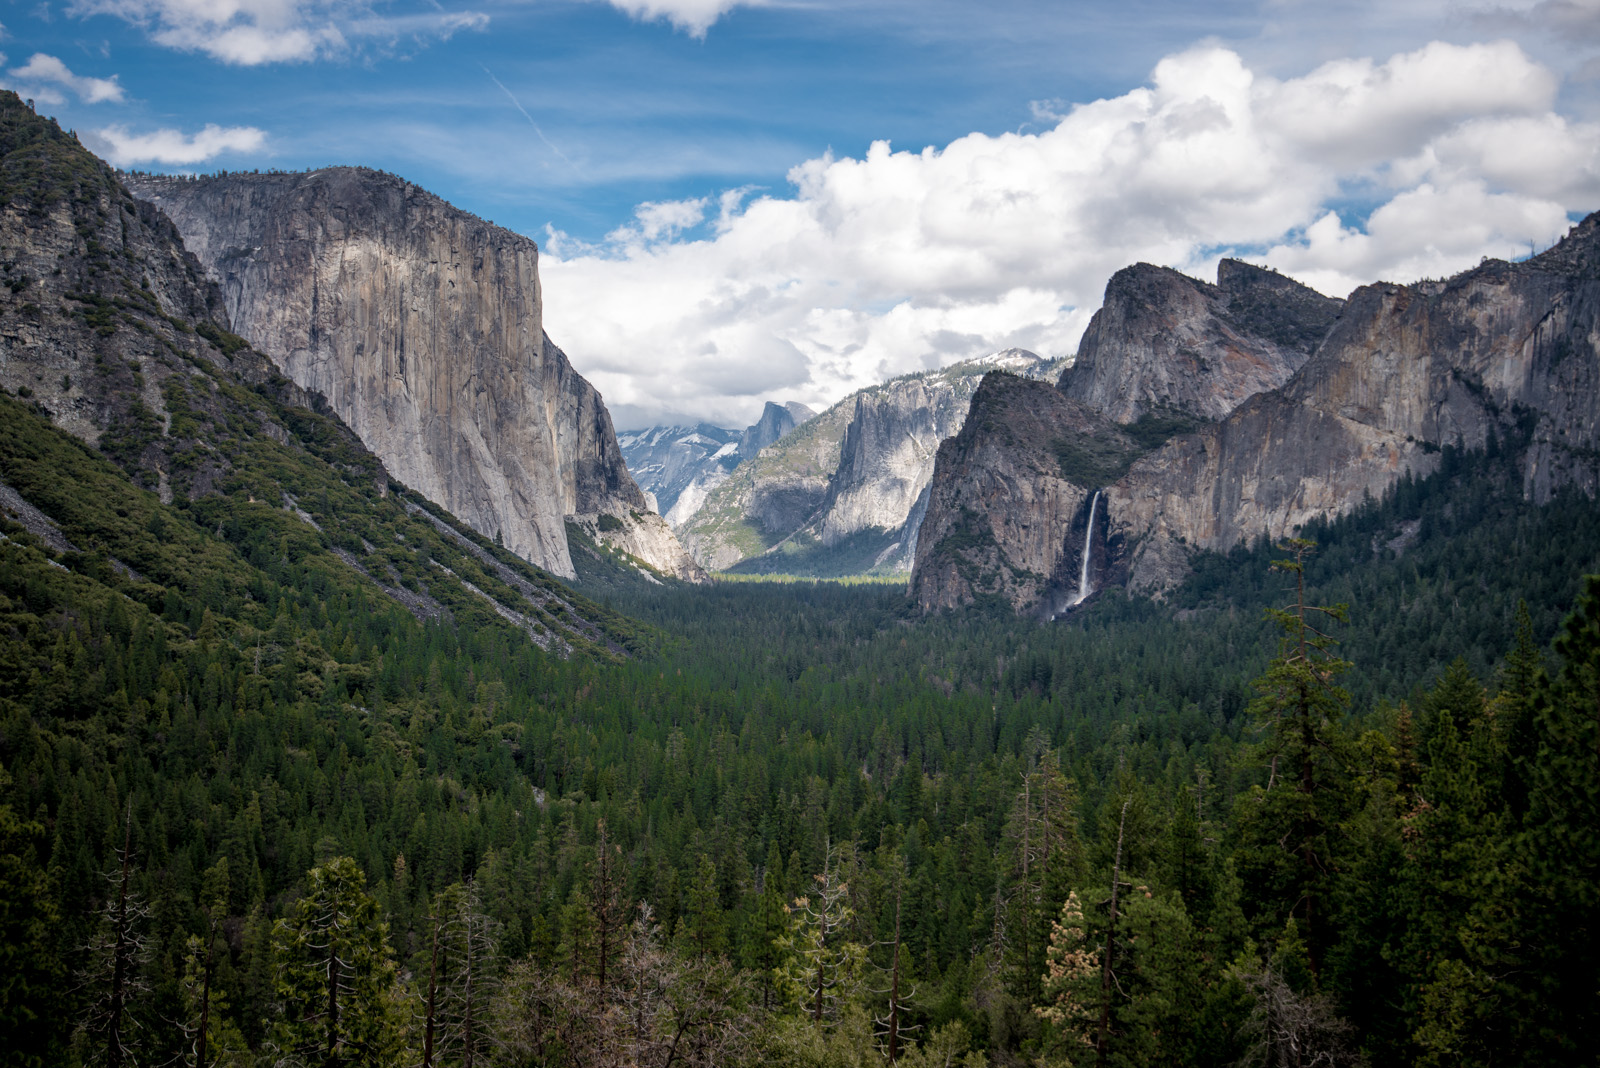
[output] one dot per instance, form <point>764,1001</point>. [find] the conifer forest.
<point>1330,802</point>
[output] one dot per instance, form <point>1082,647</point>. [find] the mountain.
<point>677,466</point>
<point>422,325</point>
<point>174,473</point>
<point>667,460</point>
<point>1499,356</point>
<point>845,492</point>
<point>1163,341</point>
<point>776,421</point>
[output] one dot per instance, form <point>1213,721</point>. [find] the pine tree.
<point>1292,824</point>
<point>825,965</point>
<point>335,973</point>
<point>1557,847</point>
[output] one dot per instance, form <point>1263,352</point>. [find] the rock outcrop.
<point>1166,342</point>
<point>1507,352</point>
<point>423,327</point>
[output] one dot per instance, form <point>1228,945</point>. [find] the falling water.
<point>1084,589</point>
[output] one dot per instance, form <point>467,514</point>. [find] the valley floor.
<point>264,816</point>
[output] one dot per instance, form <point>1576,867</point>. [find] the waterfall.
<point>1084,589</point>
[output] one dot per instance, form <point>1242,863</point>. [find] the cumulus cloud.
<point>694,17</point>
<point>254,32</point>
<point>172,147</point>
<point>901,261</point>
<point>43,76</point>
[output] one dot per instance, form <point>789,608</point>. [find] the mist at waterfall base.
<point>1085,585</point>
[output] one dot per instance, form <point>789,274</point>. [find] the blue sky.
<point>718,228</point>
<point>620,110</point>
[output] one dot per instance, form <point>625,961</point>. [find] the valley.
<point>1223,695</point>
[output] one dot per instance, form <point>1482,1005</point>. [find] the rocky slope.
<point>422,325</point>
<point>845,493</point>
<point>110,330</point>
<point>1502,353</point>
<point>99,310</point>
<point>1163,341</point>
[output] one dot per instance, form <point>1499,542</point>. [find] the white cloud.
<point>173,147</point>
<point>692,16</point>
<point>253,32</point>
<point>41,72</point>
<point>899,261</point>
<point>655,220</point>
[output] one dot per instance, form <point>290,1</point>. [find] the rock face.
<point>845,493</point>
<point>1408,370</point>
<point>1509,351</point>
<point>423,327</point>
<point>1002,518</point>
<point>1165,342</point>
<point>105,320</point>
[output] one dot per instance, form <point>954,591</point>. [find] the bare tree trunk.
<point>205,996</point>
<point>119,955</point>
<point>894,985</point>
<point>433,990</point>
<point>333,1006</point>
<point>1111,929</point>
<point>468,1049</point>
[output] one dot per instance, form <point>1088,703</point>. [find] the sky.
<point>748,200</point>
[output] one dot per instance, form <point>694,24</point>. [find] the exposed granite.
<point>1003,518</point>
<point>422,325</point>
<point>1163,341</point>
<point>1503,349</point>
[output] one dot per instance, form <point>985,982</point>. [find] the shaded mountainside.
<point>204,477</point>
<point>422,325</point>
<point>1164,341</point>
<point>845,493</point>
<point>1501,354</point>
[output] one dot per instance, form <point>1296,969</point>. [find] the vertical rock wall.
<point>423,326</point>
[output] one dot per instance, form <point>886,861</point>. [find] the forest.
<point>1330,802</point>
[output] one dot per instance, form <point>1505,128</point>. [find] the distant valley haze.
<point>741,201</point>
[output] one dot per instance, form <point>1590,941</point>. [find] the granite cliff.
<point>1501,353</point>
<point>1001,510</point>
<point>776,421</point>
<point>423,327</point>
<point>1163,341</point>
